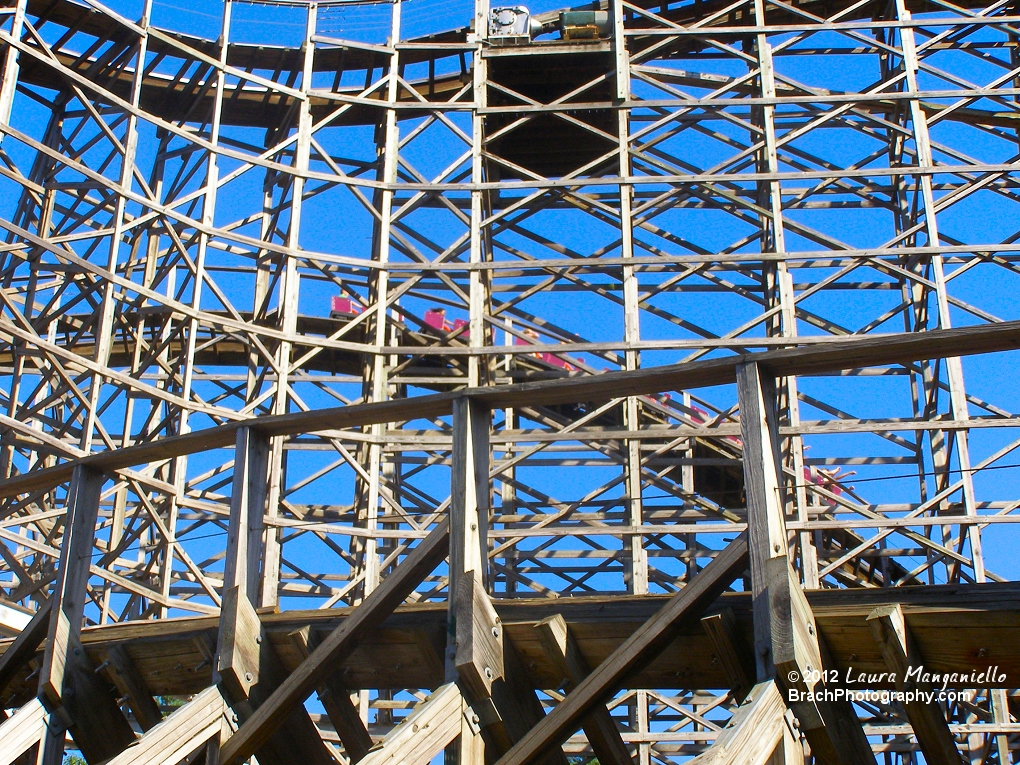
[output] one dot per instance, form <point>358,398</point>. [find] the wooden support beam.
<point>432,725</point>
<point>562,650</point>
<point>129,682</point>
<point>346,718</point>
<point>475,645</point>
<point>247,510</point>
<point>67,678</point>
<point>478,644</point>
<point>926,717</point>
<point>518,706</point>
<point>786,641</point>
<point>239,656</point>
<point>22,730</point>
<point>336,700</point>
<point>25,645</point>
<point>69,589</point>
<point>640,648</point>
<point>737,662</point>
<point>479,659</point>
<point>186,730</point>
<point>370,614</point>
<point>754,733</point>
<point>97,725</point>
<point>13,620</point>
<point>247,667</point>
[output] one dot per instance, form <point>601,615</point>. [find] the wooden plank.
<point>25,645</point>
<point>13,620</point>
<point>477,650</point>
<point>640,648</point>
<point>754,732</point>
<point>247,666</point>
<point>366,617</point>
<point>432,725</point>
<point>22,730</point>
<point>822,358</point>
<point>187,729</point>
<point>598,726</point>
<point>736,661</point>
<point>926,718</point>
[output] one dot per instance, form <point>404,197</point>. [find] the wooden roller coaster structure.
<point>378,393</point>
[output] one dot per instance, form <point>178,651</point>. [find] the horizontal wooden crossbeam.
<point>824,358</point>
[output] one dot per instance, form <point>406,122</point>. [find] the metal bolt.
<point>776,547</point>
<point>810,630</point>
<point>488,673</point>
<point>258,640</point>
<point>248,677</point>
<point>495,632</point>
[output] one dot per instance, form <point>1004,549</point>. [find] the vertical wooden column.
<point>247,667</point>
<point>781,287</point>
<point>179,466</point>
<point>11,67</point>
<point>637,557</point>
<point>786,641</point>
<point>67,680</point>
<point>69,591</point>
<point>954,367</point>
<point>474,640</point>
<point>503,705</point>
<point>240,631</point>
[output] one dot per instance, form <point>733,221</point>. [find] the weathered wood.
<point>372,611</point>
<point>98,726</point>
<point>22,730</point>
<point>754,732</point>
<point>469,490</point>
<point>69,590</point>
<point>871,350</point>
<point>25,645</point>
<point>187,729</point>
<point>926,717</point>
<point>519,707</point>
<point>641,647</point>
<point>785,635</point>
<point>13,620</point>
<point>479,638</point>
<point>336,700</point>
<point>737,663</point>
<point>598,726</point>
<point>67,678</point>
<point>240,645</point>
<point>432,725</point>
<point>346,719</point>
<point>247,667</point>
<point>129,683</point>
<point>247,510</point>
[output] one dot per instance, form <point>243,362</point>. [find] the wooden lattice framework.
<point>673,259</point>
